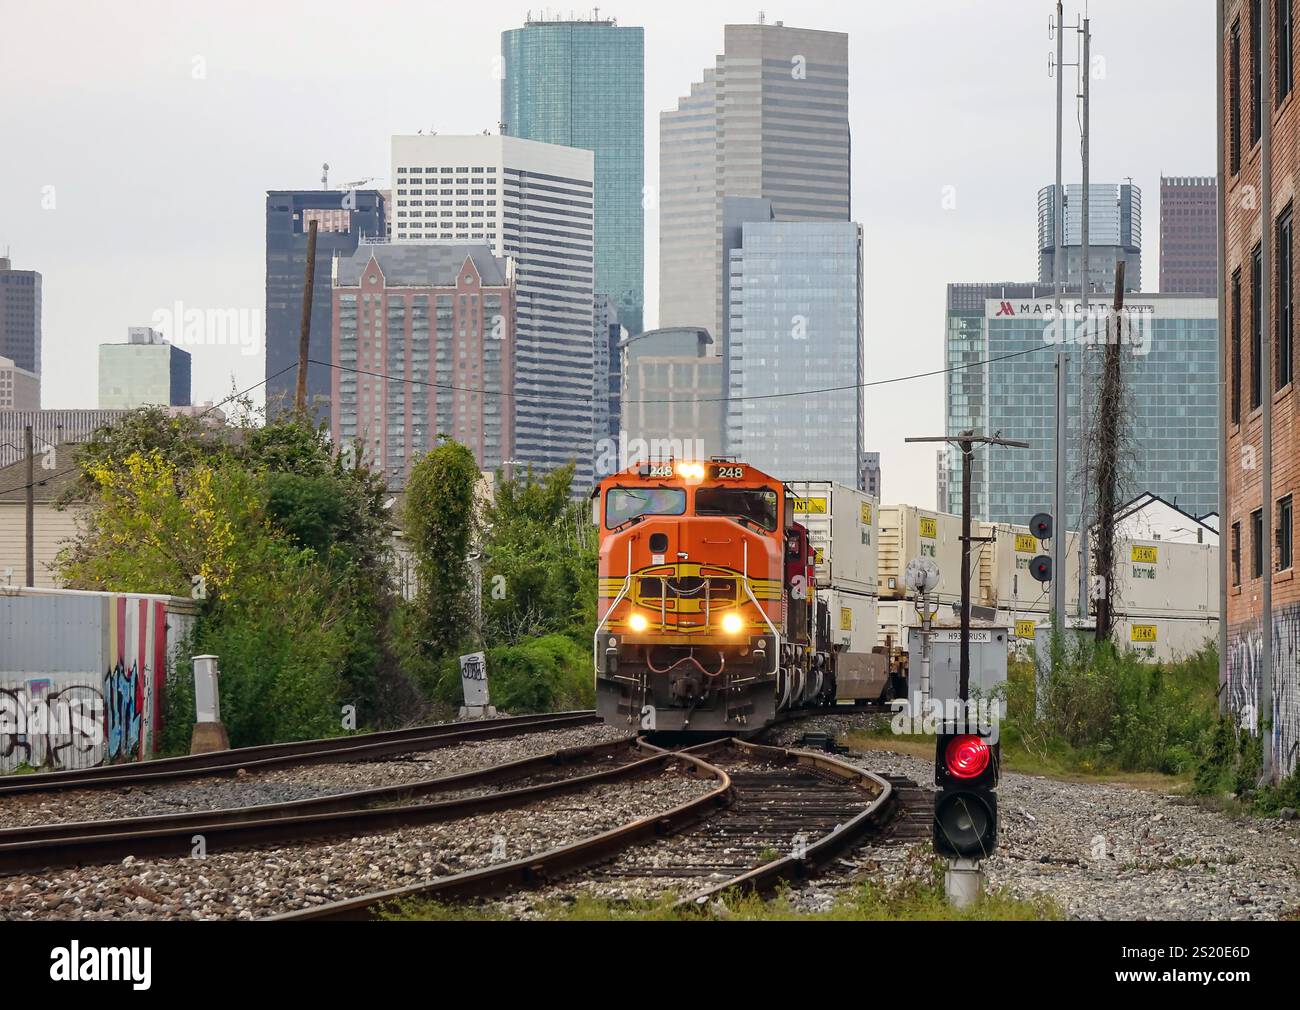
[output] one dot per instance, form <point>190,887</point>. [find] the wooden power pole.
<point>304,335</point>
<point>31,507</point>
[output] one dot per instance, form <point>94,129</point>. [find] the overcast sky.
<point>137,141</point>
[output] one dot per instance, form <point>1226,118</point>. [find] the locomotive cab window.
<point>757,504</point>
<point>625,503</point>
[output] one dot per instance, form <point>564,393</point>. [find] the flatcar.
<point>706,612</point>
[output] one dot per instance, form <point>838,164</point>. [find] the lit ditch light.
<point>966,806</point>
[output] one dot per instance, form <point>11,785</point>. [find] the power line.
<point>546,395</point>
<point>232,396</point>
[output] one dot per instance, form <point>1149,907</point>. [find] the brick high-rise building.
<point>424,341</point>
<point>1261,477</point>
<point>1189,239</point>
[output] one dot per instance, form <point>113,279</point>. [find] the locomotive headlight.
<point>637,622</point>
<point>690,471</point>
<point>731,623</point>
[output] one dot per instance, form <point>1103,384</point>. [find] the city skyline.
<point>947,211</point>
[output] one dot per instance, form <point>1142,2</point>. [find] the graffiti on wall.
<point>51,727</point>
<point>55,721</point>
<point>1244,664</point>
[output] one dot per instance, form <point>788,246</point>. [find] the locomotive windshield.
<point>757,505</point>
<point>624,503</point>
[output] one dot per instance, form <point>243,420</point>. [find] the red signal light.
<point>967,756</point>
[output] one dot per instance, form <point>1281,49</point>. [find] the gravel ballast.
<point>256,883</point>
<point>292,782</point>
<point>1100,850</point>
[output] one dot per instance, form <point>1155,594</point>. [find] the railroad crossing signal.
<point>1041,568</point>
<point>1041,526</point>
<point>966,806</point>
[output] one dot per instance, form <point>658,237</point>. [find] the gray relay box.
<point>988,660</point>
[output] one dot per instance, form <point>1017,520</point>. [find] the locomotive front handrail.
<point>595,638</point>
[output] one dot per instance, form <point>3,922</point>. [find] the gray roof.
<point>422,264</point>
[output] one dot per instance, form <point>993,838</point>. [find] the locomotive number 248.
<point>730,472</point>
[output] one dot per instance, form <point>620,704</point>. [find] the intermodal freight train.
<point>708,616</point>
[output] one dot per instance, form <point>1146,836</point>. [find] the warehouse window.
<point>1284,534</point>
<point>1284,42</point>
<point>1236,346</point>
<point>1236,554</point>
<point>1257,544</point>
<point>1257,328</point>
<point>1234,99</point>
<point>1285,285</point>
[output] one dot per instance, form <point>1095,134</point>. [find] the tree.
<point>540,574</point>
<point>441,524</point>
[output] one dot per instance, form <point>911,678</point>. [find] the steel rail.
<point>352,799</point>
<point>361,746</point>
<point>232,829</point>
<point>817,854</point>
<point>533,870</point>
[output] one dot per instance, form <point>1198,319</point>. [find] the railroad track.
<point>363,746</point>
<point>731,837</point>
<point>43,847</point>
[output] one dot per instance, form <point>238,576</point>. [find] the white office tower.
<point>532,202</point>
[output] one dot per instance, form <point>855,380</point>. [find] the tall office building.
<point>425,335</point>
<point>342,217</point>
<point>19,388</point>
<point>1170,370</point>
<point>20,318</point>
<point>769,119</point>
<point>869,480</point>
<point>146,371</point>
<point>1114,233</point>
<point>1189,235</point>
<point>581,84</point>
<point>796,324</point>
<point>941,481</point>
<point>606,404</point>
<point>532,202</point>
<point>964,393</point>
<point>673,397</point>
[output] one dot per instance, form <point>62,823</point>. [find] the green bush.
<point>1108,708</point>
<point>547,674</point>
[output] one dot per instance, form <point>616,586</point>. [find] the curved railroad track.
<point>741,835</point>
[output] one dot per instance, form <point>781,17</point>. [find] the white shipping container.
<point>1164,638</point>
<point>908,532</point>
<point>1005,582</point>
<point>842,531</point>
<point>1158,577</point>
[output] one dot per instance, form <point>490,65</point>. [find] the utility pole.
<point>1062,358</point>
<point>31,506</point>
<point>966,442</point>
<point>304,336</point>
<point>1085,348</point>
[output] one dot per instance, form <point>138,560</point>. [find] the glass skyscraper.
<point>796,324</point>
<point>582,84</point>
<point>1170,369</point>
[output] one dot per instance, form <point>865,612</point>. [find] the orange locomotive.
<point>705,612</point>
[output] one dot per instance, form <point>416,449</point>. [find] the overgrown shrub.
<point>1104,707</point>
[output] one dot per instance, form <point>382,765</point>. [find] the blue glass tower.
<point>582,84</point>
